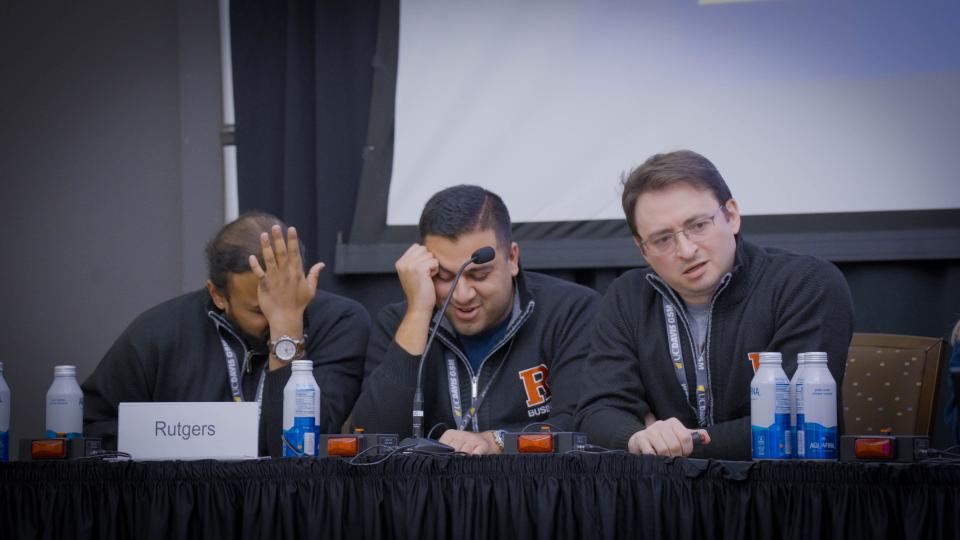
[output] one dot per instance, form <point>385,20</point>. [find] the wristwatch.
<point>498,437</point>
<point>286,348</point>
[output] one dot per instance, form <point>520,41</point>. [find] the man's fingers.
<point>677,437</point>
<point>279,246</point>
<point>269,261</point>
<point>314,276</point>
<point>293,249</point>
<point>658,442</point>
<point>645,446</point>
<point>674,442</point>
<point>255,267</point>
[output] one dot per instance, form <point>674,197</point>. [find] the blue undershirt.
<point>479,346</point>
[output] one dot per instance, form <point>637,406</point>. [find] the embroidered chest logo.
<point>535,385</point>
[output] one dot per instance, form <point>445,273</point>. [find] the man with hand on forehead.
<point>510,346</point>
<point>234,339</point>
<point>669,351</point>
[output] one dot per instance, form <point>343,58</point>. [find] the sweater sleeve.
<point>385,404</point>
<point>570,349</point>
<point>815,313</point>
<point>119,377</point>
<point>336,347</point>
<point>612,401</point>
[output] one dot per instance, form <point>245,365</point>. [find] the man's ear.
<point>733,215</point>
<point>513,258</point>
<point>217,296</point>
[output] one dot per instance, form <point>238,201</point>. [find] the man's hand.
<point>416,268</point>
<point>469,442</point>
<point>664,438</point>
<point>284,292</point>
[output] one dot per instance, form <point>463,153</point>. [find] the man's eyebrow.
<point>688,221</point>
<point>696,218</point>
<point>659,232</point>
<point>476,269</point>
<point>472,269</point>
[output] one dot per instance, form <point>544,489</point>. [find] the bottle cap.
<point>816,357</point>
<point>65,371</point>
<point>770,358</point>
<point>302,365</point>
<point>801,358</point>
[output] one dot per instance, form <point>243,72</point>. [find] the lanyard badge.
<point>702,408</point>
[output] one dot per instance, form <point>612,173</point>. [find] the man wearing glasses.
<point>669,351</point>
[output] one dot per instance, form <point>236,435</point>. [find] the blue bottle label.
<point>4,446</point>
<point>819,442</point>
<point>301,439</point>
<point>50,434</point>
<point>772,442</point>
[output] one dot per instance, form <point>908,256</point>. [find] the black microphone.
<point>480,256</point>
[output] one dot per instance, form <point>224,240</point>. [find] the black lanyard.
<point>702,409</point>
<point>233,373</point>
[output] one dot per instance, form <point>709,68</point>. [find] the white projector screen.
<point>805,106</point>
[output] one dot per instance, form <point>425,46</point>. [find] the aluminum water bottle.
<point>301,411</point>
<point>64,404</point>
<point>4,418</point>
<point>816,410</point>
<point>770,409</point>
<point>801,358</point>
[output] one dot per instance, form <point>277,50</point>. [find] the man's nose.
<point>464,292</point>
<point>686,248</point>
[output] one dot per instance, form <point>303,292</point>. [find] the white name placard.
<point>188,430</point>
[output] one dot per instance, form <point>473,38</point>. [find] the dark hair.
<point>664,170</point>
<point>230,249</point>
<point>463,209</point>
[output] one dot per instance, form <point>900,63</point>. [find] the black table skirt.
<point>503,497</point>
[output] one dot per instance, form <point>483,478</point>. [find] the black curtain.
<point>303,74</point>
<point>505,497</point>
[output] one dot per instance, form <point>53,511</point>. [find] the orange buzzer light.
<point>878,448</point>
<point>535,443</point>
<point>343,446</point>
<point>48,449</point>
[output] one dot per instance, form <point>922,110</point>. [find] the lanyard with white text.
<point>233,371</point>
<point>676,354</point>
<point>453,386</point>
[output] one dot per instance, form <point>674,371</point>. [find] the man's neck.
<point>700,301</point>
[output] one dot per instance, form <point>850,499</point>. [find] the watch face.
<point>285,350</point>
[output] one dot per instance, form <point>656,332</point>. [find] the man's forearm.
<point>412,333</point>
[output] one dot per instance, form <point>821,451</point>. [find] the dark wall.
<point>109,159</point>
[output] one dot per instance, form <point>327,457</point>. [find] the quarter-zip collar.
<point>523,306</point>
<point>228,332</point>
<point>669,295</point>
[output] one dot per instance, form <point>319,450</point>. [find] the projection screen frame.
<point>372,246</point>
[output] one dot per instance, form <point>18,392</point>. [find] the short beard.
<point>252,342</point>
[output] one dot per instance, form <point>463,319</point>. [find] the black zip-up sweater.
<point>548,329</point>
<point>172,352</point>
<point>772,300</point>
